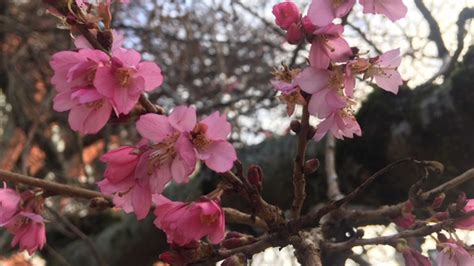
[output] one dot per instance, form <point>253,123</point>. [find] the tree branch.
<point>299,181</point>
<point>52,187</point>
<point>435,32</point>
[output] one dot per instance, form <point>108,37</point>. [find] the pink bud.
<point>438,201</point>
<point>294,34</point>
<point>310,166</point>
<point>414,258</point>
<point>441,216</point>
<point>172,258</point>
<point>467,223</point>
<point>405,221</point>
<point>286,13</point>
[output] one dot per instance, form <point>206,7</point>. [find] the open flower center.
<point>338,3</point>
<point>124,75</point>
<point>208,219</point>
<point>336,78</point>
<point>163,152</point>
<point>95,104</point>
<point>198,136</point>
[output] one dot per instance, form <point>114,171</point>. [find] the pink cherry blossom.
<point>126,78</point>
<point>328,45</point>
<point>171,154</point>
<point>29,231</point>
<point>323,12</point>
<point>184,223</point>
<point>284,87</point>
<point>467,223</point>
<point>286,13</point>
<point>393,9</point>
<point>122,182</point>
<point>9,205</point>
<point>325,87</point>
<point>209,138</point>
<point>341,123</point>
<point>384,71</point>
<point>453,254</point>
<point>73,76</point>
<point>129,195</point>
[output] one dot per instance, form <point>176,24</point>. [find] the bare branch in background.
<point>333,192</point>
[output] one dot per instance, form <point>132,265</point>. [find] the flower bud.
<point>308,26</point>
<point>255,176</point>
<point>441,216</point>
<point>438,201</point>
<point>172,258</point>
<point>294,34</point>
<point>235,260</point>
<point>310,166</point>
<point>311,132</point>
<point>461,201</point>
<point>286,13</point>
<point>405,221</point>
<point>295,126</point>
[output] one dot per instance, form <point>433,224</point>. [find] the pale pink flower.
<point>122,182</point>
<point>328,45</point>
<point>209,138</point>
<point>75,69</point>
<point>393,9</point>
<point>9,205</point>
<point>323,12</point>
<point>341,124</point>
<point>184,223</point>
<point>294,35</point>
<point>73,76</point>
<point>467,223</point>
<point>325,87</point>
<point>128,195</point>
<point>286,13</point>
<point>453,254</point>
<point>126,78</point>
<point>384,71</point>
<point>29,232</point>
<point>171,154</point>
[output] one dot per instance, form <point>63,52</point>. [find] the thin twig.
<point>393,239</point>
<point>80,234</point>
<point>299,181</point>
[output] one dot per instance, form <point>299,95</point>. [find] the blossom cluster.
<point>327,85</point>
<point>90,83</point>
<point>169,150</point>
<point>102,78</point>
<point>20,214</point>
